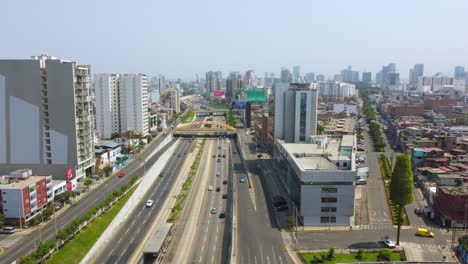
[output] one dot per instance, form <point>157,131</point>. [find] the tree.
<point>48,212</point>
<point>290,222</point>
<point>384,254</point>
<point>2,220</point>
<point>108,169</point>
<point>401,186</point>
<point>27,260</point>
<point>88,182</point>
<point>360,254</point>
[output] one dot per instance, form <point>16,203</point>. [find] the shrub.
<point>331,254</point>
<point>384,254</point>
<point>27,260</point>
<point>360,254</point>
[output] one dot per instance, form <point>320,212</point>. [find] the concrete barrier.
<point>129,207</point>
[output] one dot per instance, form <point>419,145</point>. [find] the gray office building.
<point>319,178</point>
<point>46,117</point>
<point>295,108</point>
<point>367,77</point>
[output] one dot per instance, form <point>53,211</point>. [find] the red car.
<point>121,174</point>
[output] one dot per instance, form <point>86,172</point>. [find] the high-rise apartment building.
<point>309,77</point>
<point>121,103</point>
<point>459,72</point>
<point>415,73</point>
<point>212,82</point>
<point>367,77</point>
<point>46,117</point>
<point>336,89</point>
<point>295,110</point>
<point>286,76</point>
<point>348,75</point>
<point>174,99</point>
<point>388,76</point>
<point>296,73</point>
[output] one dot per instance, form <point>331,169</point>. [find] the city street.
<point>26,244</point>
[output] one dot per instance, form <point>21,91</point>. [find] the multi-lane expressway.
<point>131,235</point>
<point>97,195</point>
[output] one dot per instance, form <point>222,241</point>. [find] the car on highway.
<point>224,181</point>
<point>218,189</point>
<point>218,174</point>
<point>222,214</point>
<point>242,178</point>
<point>388,242</point>
<point>225,195</point>
<point>214,156</point>
<point>121,174</point>
<point>210,188</point>
<point>213,210</point>
<point>149,203</point>
<point>224,155</point>
<point>219,160</point>
<point>7,230</point>
<point>161,174</point>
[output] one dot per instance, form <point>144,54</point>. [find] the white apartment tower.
<point>46,117</point>
<point>175,100</point>
<point>121,103</point>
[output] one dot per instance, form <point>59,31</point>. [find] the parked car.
<point>361,182</point>
<point>388,242</point>
<point>7,230</point>
<point>121,174</point>
<point>418,211</point>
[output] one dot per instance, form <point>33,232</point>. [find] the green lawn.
<point>77,248</point>
<point>349,258</point>
<point>217,105</point>
<point>188,117</point>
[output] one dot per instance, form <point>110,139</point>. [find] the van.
<point>424,232</point>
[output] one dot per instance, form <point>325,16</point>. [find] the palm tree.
<point>108,169</point>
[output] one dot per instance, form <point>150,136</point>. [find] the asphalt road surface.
<point>210,227</point>
<point>120,249</point>
<point>26,245</point>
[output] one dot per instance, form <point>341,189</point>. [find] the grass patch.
<point>351,257</point>
<point>187,184</point>
<point>77,248</point>
<point>231,120</point>
<point>187,118</point>
<point>217,105</point>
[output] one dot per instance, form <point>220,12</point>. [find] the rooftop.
<point>453,190</point>
<point>21,184</point>
<point>311,156</point>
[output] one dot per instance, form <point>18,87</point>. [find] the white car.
<point>213,210</point>
<point>210,188</point>
<point>149,203</point>
<point>389,243</point>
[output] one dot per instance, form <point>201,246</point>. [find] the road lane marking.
<point>273,251</point>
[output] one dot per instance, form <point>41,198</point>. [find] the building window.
<point>326,219</point>
<point>329,199</point>
<point>302,117</point>
<point>329,190</point>
<point>328,209</point>
<point>345,164</point>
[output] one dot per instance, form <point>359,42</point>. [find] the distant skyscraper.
<point>348,75</point>
<point>286,76</point>
<point>295,110</point>
<point>296,73</point>
<point>388,76</point>
<point>367,77</point>
<point>459,72</point>
<point>320,78</point>
<point>415,74</point>
<point>309,77</point>
<point>211,81</point>
<point>46,118</point>
<point>162,83</point>
<point>250,77</point>
<point>235,76</point>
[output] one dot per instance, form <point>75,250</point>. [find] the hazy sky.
<point>181,38</point>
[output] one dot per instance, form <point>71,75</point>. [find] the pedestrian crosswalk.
<point>390,227</point>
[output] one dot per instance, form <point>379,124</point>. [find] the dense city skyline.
<point>183,39</point>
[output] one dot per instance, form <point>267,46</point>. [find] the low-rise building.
<point>319,177</point>
<point>344,126</point>
<point>450,205</point>
<point>23,195</point>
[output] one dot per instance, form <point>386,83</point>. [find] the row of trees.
<point>231,119</point>
<point>68,232</point>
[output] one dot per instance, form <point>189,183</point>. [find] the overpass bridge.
<point>212,113</point>
<point>204,129</point>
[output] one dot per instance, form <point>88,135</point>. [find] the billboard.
<point>218,93</point>
<point>238,105</point>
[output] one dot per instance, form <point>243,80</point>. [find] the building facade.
<point>46,117</point>
<point>295,110</point>
<point>336,89</point>
<point>367,77</point>
<point>319,177</point>
<point>121,103</point>
<point>23,196</point>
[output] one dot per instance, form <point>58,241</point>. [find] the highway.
<point>26,245</point>
<point>120,249</point>
<point>208,240</point>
